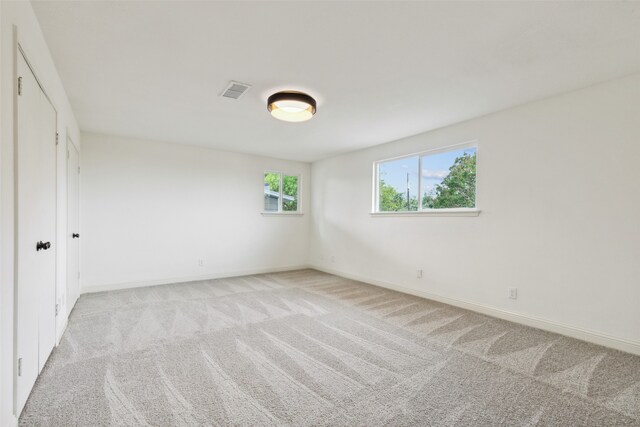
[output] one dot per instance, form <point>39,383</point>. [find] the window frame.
<point>298,210</point>
<point>475,211</point>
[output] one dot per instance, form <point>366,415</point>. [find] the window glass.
<point>289,193</point>
<point>449,179</point>
<point>271,191</point>
<point>398,185</point>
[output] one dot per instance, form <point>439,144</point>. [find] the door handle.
<point>42,246</point>
<point>75,236</point>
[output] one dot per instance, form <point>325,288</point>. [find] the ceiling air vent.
<point>235,90</point>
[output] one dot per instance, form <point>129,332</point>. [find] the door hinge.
<point>20,367</point>
<point>56,309</point>
<point>78,274</point>
<point>19,85</point>
<point>78,169</point>
<point>57,136</point>
<point>67,154</point>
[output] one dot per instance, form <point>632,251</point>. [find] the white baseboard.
<point>535,322</point>
<point>131,285</point>
<point>13,422</point>
<point>60,332</point>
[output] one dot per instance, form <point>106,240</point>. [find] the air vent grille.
<point>235,90</point>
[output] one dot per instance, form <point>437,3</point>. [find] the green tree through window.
<point>395,201</point>
<point>290,191</point>
<point>457,189</point>
<point>273,179</point>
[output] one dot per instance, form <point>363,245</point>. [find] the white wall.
<point>559,190</point>
<point>151,210</point>
<point>20,16</point>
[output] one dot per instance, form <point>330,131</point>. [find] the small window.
<point>439,179</point>
<point>280,192</point>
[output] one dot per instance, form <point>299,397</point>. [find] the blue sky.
<point>435,168</point>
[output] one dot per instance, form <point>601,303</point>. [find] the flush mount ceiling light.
<point>291,106</point>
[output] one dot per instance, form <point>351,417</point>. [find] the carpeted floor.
<point>307,348</point>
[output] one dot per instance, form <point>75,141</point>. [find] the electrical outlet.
<point>200,263</point>
<point>419,273</point>
<point>513,293</point>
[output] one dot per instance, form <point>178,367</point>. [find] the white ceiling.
<point>380,71</point>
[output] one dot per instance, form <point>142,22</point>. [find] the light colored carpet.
<point>307,348</point>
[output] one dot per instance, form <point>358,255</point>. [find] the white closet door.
<point>73,225</point>
<point>28,233</point>
<point>35,230</point>
<point>47,219</point>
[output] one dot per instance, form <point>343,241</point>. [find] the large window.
<point>280,192</point>
<point>429,181</point>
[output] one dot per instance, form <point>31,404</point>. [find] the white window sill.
<point>281,213</point>
<point>432,212</point>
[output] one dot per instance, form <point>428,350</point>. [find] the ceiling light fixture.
<point>291,106</point>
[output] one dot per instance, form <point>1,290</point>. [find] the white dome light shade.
<point>291,106</point>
